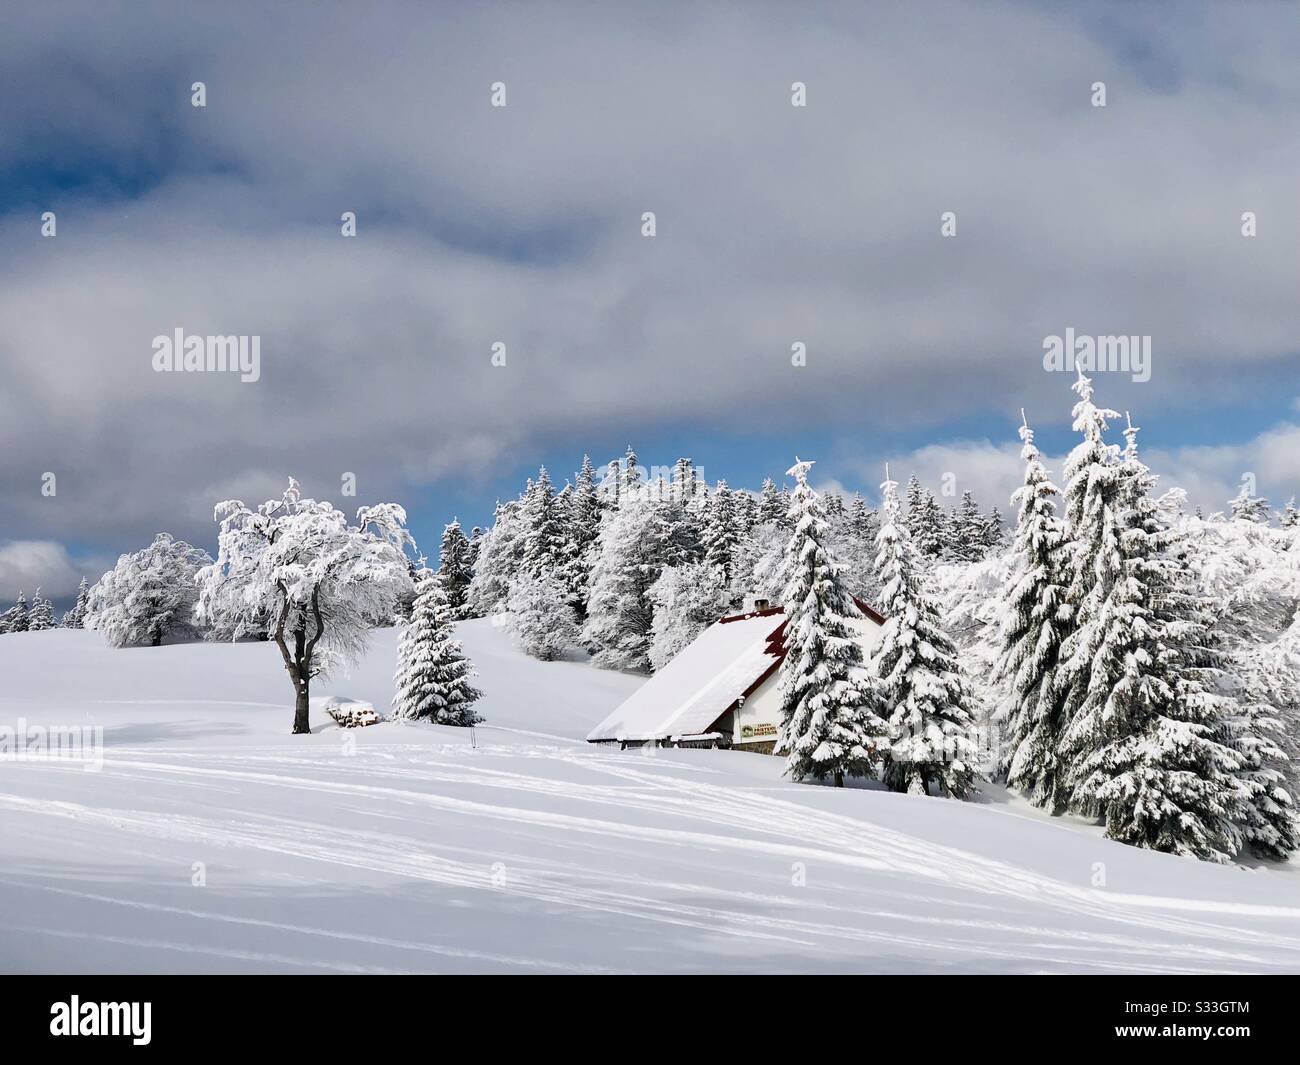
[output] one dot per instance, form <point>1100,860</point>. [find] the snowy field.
<point>404,848</point>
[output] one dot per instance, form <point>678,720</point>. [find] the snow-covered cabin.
<point>720,690</point>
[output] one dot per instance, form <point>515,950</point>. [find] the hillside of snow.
<point>402,847</point>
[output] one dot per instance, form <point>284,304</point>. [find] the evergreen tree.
<point>584,526</point>
<point>545,544</point>
<point>630,558</point>
<point>915,515</point>
<point>994,535</point>
<point>1268,818</point>
<point>15,618</point>
<point>1290,517</point>
<point>500,559</point>
<point>769,506</point>
<point>632,483</point>
<point>968,531</point>
<point>830,721</point>
<point>722,533</point>
<point>859,515</point>
<point>455,570</point>
<point>685,483</point>
<point>1095,561</point>
<point>1246,505</point>
<point>675,527</point>
<point>916,664</point>
<point>41,615</point>
<point>76,617</point>
<point>611,488</point>
<point>1030,638</point>
<point>932,530</point>
<point>746,507</point>
<point>1149,748</point>
<point>433,675</point>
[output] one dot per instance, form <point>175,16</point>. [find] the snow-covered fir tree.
<point>686,600</point>
<point>769,504</point>
<point>927,528</point>
<point>1148,746</point>
<point>549,546</point>
<point>1290,516</point>
<point>746,507</point>
<point>1268,819</point>
<point>916,663</point>
<point>722,532</point>
<point>630,558</point>
<point>1246,505</point>
<point>148,595</point>
<point>500,559</point>
<point>545,539</point>
<point>1030,638</point>
<point>967,532</point>
<point>1095,559</point>
<point>830,712</point>
<point>432,681</point>
<point>15,618</point>
<point>685,480</point>
<point>584,526</point>
<point>76,617</point>
<point>674,529</point>
<point>41,615</point>
<point>455,569</point>
<point>860,518</point>
<point>542,619</point>
<point>633,482</point>
<point>994,534</point>
<point>914,514</point>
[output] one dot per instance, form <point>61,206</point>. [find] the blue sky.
<point>775,224</point>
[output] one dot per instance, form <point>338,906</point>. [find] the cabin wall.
<point>759,717</point>
<point>758,720</point>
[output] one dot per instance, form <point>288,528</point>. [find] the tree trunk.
<point>298,664</point>
<point>300,721</point>
<point>301,675</point>
<point>839,779</point>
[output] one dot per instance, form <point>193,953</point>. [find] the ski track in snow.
<point>534,851</point>
<point>982,909</point>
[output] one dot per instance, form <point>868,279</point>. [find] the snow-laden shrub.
<point>541,617</point>
<point>148,595</point>
<point>687,600</point>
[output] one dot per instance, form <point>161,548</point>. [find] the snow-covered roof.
<point>700,684</point>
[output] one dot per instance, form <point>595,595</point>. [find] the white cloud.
<point>26,565</point>
<point>522,225</point>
